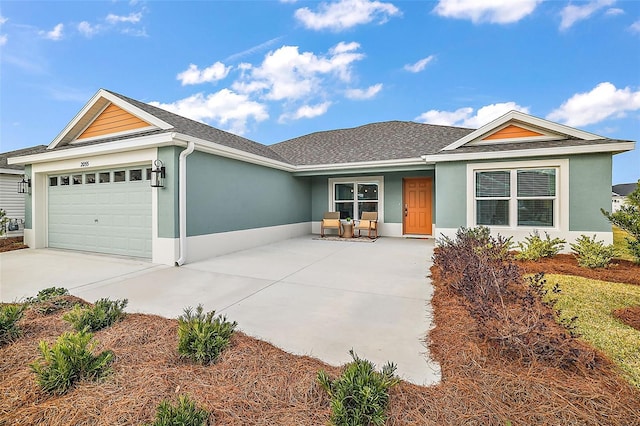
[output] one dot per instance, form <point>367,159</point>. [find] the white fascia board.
<point>540,152</point>
<point>11,172</point>
<point>233,153</point>
<point>418,161</point>
<point>117,101</point>
<point>161,139</point>
<point>526,119</point>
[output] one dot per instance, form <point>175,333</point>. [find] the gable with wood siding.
<point>112,119</point>
<point>512,132</point>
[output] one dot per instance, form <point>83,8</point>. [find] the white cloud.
<point>306,111</point>
<point>132,18</point>
<point>464,116</point>
<point>225,108</point>
<point>193,75</point>
<point>360,94</point>
<point>288,74</point>
<point>571,13</point>
<point>635,27</point>
<point>420,65</point>
<point>55,34</point>
<point>3,39</point>
<point>253,49</point>
<point>493,11</point>
<point>614,11</point>
<point>602,102</point>
<point>345,14</point>
<point>3,19</point>
<point>88,30</point>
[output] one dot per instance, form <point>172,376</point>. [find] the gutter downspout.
<point>182,202</point>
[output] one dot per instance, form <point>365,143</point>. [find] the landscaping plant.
<point>361,394</point>
<point>535,247</point>
<point>184,413</point>
<point>203,337</point>
<point>628,219</point>
<point>68,360</point>
<point>3,220</point>
<point>9,316</point>
<point>102,314</point>
<point>50,300</point>
<point>591,253</point>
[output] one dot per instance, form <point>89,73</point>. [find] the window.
<point>517,197</point>
<point>104,177</point>
<point>64,180</point>
<point>135,175</point>
<point>148,174</point>
<point>351,197</point>
<point>77,179</point>
<point>90,178</point>
<point>53,181</point>
<point>119,176</point>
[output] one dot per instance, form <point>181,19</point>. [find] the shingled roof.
<point>389,140</point>
<point>512,146</point>
<point>624,189</point>
<point>17,153</point>
<point>200,130</point>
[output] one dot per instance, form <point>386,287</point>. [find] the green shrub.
<point>591,253</point>
<point>68,360</point>
<point>50,300</point>
<point>481,241</point>
<point>202,338</point>
<point>102,314</point>
<point>360,395</point>
<point>185,413</point>
<point>535,247</point>
<point>9,317</point>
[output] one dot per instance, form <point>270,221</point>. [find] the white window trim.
<point>356,180</point>
<point>561,213</point>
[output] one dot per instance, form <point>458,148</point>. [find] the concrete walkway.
<point>306,296</point>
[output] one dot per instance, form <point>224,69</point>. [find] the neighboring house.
<point>619,195</point>
<point>221,193</point>
<point>11,201</point>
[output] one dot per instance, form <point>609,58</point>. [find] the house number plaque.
<point>84,164</point>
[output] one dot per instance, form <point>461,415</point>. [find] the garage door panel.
<point>113,218</point>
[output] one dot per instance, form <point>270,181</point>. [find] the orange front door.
<point>417,206</point>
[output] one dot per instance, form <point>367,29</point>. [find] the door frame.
<point>404,180</point>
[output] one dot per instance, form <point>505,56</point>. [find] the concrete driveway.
<point>306,296</point>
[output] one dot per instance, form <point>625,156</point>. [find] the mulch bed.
<point>629,316</point>
<point>620,271</point>
<point>11,243</point>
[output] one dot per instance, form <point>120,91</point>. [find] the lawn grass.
<point>592,302</point>
<point>620,244</point>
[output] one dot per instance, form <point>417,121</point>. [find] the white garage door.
<point>106,211</point>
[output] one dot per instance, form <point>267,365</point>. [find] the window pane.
<point>64,180</point>
<point>535,212</point>
<point>148,174</point>
<point>344,191</point>
<point>90,178</point>
<point>118,176</point>
<point>367,191</point>
<point>493,184</point>
<point>104,177</point>
<point>135,175</point>
<point>345,209</point>
<point>492,212</point>
<point>537,183</point>
<point>367,207</point>
<point>53,181</point>
<point>77,179</point>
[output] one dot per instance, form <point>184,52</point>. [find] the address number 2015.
<point>84,164</point>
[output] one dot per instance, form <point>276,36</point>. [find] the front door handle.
<point>406,210</point>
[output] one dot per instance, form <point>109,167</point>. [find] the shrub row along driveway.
<point>318,298</point>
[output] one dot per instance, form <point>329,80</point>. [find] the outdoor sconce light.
<point>157,174</point>
<point>24,186</point>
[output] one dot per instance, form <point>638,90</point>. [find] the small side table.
<point>347,229</point>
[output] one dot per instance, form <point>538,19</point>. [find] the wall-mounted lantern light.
<point>24,186</point>
<point>157,174</point>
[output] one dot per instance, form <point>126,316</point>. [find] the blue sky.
<point>274,70</point>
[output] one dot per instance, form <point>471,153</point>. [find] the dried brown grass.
<point>255,383</point>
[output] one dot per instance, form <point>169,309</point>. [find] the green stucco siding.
<point>27,201</point>
<point>168,207</point>
<point>589,191</point>
<point>319,197</point>
<point>228,195</point>
<point>451,187</point>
